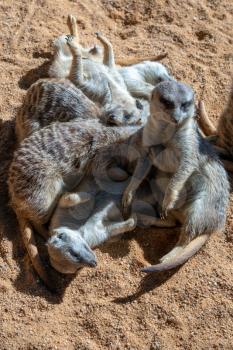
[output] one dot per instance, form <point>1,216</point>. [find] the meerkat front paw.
<point>169,201</point>
<point>74,47</point>
<point>127,202</point>
<point>101,38</point>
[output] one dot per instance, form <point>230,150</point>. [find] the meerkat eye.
<point>139,105</point>
<point>75,254</point>
<point>186,105</point>
<point>60,235</point>
<point>167,103</point>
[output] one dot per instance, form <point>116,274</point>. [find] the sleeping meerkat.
<point>173,145</point>
<point>58,100</point>
<point>48,163</point>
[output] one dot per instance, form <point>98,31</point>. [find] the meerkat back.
<point>50,100</point>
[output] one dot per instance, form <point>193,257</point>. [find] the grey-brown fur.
<point>51,100</point>
<point>102,83</point>
<point>92,213</point>
<point>50,162</point>
<point>173,145</point>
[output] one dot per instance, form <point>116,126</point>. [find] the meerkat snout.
<point>173,102</point>
<point>68,252</point>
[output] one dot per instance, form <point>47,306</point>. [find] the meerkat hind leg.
<point>73,28</point>
<point>76,71</point>
<point>109,58</point>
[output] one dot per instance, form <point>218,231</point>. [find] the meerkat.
<point>61,63</point>
<point>58,100</point>
<point>92,214</point>
<point>48,163</point>
<point>141,78</point>
<point>173,145</point>
<point>83,220</point>
<point>138,79</point>
<point>102,83</point>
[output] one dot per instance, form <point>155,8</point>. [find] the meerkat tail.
<point>128,61</point>
<point>30,244</point>
<point>204,122</point>
<point>186,253</point>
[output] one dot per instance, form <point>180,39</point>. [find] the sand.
<point>115,306</point>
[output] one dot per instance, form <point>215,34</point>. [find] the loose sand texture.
<point>115,306</point>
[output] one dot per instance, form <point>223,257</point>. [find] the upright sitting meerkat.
<point>173,145</point>
<point>48,163</point>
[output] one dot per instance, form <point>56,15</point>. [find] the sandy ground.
<point>115,306</point>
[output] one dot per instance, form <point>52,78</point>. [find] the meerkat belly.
<point>166,160</point>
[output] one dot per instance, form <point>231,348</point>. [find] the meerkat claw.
<point>69,37</point>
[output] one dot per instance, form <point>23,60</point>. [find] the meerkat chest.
<point>166,159</point>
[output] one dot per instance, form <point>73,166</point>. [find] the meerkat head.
<point>118,114</point>
<point>172,102</point>
<point>68,252</point>
<point>121,108</point>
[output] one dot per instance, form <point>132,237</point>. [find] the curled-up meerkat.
<point>197,192</point>
<point>48,163</point>
<point>58,100</point>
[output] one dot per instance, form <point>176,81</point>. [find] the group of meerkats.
<point>104,148</point>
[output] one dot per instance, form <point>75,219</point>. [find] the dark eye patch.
<point>75,254</point>
<point>127,116</point>
<point>167,103</point>
<point>139,105</point>
<point>186,105</point>
<point>60,235</point>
